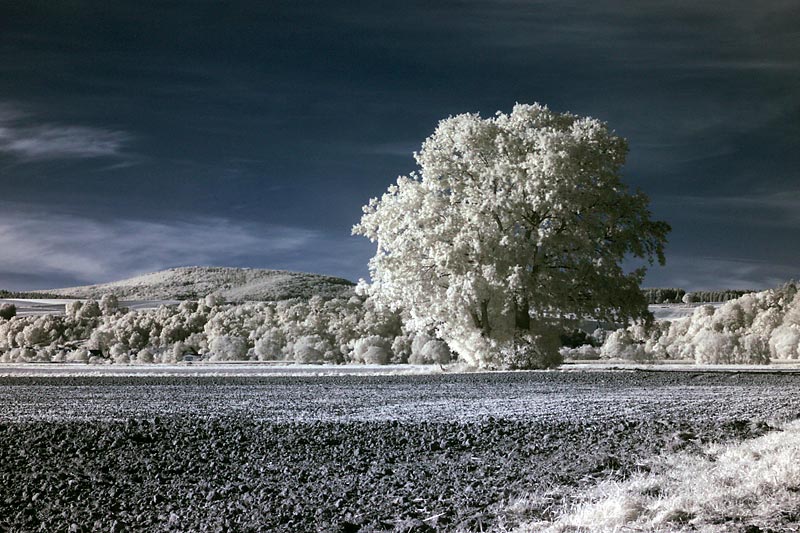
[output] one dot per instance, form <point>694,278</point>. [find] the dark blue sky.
<point>136,136</point>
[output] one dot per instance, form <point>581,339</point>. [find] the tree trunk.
<point>522,317</point>
<point>486,328</point>
<point>482,321</point>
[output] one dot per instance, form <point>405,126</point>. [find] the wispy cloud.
<point>753,65</point>
<point>61,246</point>
<point>25,138</point>
<point>788,200</point>
<point>682,33</point>
<point>402,149</point>
<point>770,208</point>
<point>393,149</point>
<point>709,273</point>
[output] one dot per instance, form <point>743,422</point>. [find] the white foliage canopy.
<point>512,227</point>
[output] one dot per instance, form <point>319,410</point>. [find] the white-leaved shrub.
<point>750,329</point>
<point>621,344</point>
<point>309,349</point>
<point>228,348</point>
<point>784,343</point>
<point>270,345</point>
<point>374,349</point>
<point>436,351</point>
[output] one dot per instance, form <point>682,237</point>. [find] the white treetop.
<point>513,227</point>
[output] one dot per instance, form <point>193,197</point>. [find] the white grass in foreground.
<point>756,482</point>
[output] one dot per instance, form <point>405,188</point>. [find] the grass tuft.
<point>750,484</point>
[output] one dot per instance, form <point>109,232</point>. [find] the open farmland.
<point>50,306</point>
<point>442,452</point>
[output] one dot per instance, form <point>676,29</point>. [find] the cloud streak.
<point>43,245</point>
<point>780,208</point>
<point>32,142</point>
<point>710,273</point>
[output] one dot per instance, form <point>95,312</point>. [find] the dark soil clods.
<point>283,463</point>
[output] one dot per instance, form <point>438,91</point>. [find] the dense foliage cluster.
<point>714,296</point>
<point>319,330</point>
<point>753,328</point>
<point>663,295</point>
<point>513,229</point>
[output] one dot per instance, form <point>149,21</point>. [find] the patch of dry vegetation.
<point>755,483</point>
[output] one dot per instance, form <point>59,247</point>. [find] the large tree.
<point>513,228</point>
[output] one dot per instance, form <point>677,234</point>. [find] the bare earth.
<point>442,452</point>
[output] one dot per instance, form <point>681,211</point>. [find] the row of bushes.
<point>319,330</point>
<point>751,329</point>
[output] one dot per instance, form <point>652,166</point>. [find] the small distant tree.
<point>109,304</point>
<point>513,228</point>
<point>8,311</point>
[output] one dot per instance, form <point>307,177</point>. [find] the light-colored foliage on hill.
<point>233,284</point>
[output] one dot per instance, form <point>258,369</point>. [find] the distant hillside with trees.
<point>661,295</point>
<point>24,295</point>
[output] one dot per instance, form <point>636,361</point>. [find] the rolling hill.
<point>235,284</point>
